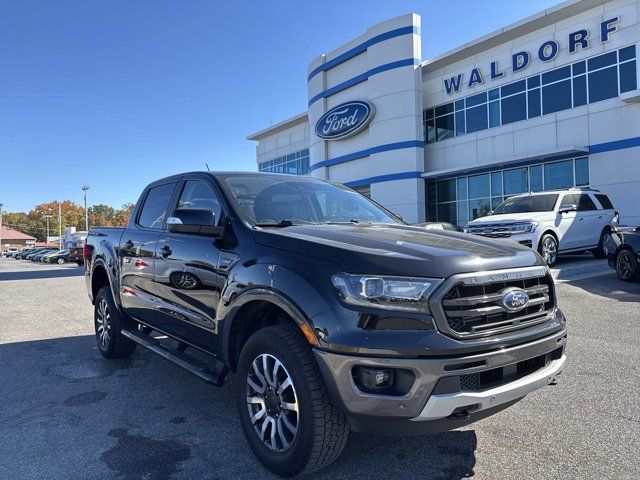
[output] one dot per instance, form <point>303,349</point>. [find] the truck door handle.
<point>599,216</point>
<point>128,244</point>
<point>580,218</point>
<point>166,251</point>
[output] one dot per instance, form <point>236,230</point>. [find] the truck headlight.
<point>525,227</point>
<point>387,293</point>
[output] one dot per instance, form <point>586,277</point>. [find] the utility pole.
<point>1,226</point>
<point>60,225</point>
<point>86,212</point>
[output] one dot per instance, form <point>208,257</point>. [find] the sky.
<point>115,94</point>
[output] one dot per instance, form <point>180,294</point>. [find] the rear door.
<point>191,271</point>
<point>589,223</point>
<point>137,253</point>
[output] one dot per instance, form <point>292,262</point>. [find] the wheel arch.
<point>253,310</point>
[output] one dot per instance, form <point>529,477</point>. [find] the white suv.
<point>555,222</point>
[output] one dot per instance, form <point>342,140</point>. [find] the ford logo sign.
<point>344,120</point>
<point>515,299</point>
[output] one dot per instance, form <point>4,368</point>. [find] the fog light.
<point>373,379</point>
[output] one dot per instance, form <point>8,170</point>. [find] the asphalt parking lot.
<point>67,413</point>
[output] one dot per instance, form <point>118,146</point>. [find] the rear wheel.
<point>109,322</point>
<point>548,249</point>
<point>61,261</point>
<point>600,252</point>
<point>627,266</point>
<point>284,406</point>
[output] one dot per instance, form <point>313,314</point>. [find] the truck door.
<point>137,254</point>
<point>189,275</point>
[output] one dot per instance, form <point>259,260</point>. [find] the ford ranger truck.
<point>333,313</point>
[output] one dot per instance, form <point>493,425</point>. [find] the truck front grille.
<point>473,309</point>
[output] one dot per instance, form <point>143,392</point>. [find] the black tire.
<point>626,265</point>
<point>549,256</point>
<point>599,252</point>
<point>322,432</point>
<point>61,261</point>
<point>112,344</point>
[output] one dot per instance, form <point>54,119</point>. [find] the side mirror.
<point>196,221</point>
<point>569,207</point>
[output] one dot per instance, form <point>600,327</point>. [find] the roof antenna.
<point>207,165</point>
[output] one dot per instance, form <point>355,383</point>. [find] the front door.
<point>189,276</point>
<point>137,254</point>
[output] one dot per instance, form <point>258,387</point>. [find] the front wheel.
<point>61,261</point>
<point>283,404</point>
<point>109,322</point>
<point>627,266</point>
<point>548,249</point>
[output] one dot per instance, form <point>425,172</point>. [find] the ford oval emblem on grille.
<point>515,299</point>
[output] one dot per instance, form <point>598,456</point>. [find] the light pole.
<point>1,226</point>
<point>86,212</point>
<point>48,216</point>
<point>60,225</point>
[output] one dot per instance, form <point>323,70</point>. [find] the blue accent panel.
<point>369,151</point>
<point>362,77</point>
<point>357,50</point>
<point>384,178</point>
<point>615,145</point>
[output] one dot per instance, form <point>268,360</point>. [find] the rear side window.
<point>155,206</point>
<point>604,201</point>
<point>585,203</point>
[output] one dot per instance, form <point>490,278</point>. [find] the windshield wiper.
<point>285,222</point>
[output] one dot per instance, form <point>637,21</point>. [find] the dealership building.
<point>547,103</point>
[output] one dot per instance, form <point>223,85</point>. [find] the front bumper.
<point>420,405</point>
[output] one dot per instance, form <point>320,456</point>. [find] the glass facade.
<point>465,198</point>
<point>296,163</point>
<point>587,81</point>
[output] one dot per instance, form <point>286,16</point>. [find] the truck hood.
<point>398,249</point>
<point>513,217</point>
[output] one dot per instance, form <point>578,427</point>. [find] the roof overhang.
<point>543,156</point>
<point>279,127</point>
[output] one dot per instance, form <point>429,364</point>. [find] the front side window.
<point>154,209</point>
<point>568,200</point>
<point>197,194</point>
<point>533,203</point>
<point>270,200</point>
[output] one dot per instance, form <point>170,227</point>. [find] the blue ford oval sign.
<point>344,120</point>
<point>515,299</point>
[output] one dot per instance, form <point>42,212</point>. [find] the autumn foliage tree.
<point>34,222</point>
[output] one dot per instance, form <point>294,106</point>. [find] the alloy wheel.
<point>103,319</point>
<point>624,265</point>
<point>272,403</point>
<point>550,250</point>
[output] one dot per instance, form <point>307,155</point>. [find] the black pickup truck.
<point>333,313</point>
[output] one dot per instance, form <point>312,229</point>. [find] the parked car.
<point>59,257</point>
<point>36,251</point>
<point>23,253</point>
<point>40,255</point>
<point>440,226</point>
<point>76,255</point>
<point>623,253</point>
<point>9,252</point>
<point>334,314</point>
<point>553,223</point>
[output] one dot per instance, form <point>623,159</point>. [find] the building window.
<point>296,163</point>
<point>465,198</point>
<point>599,78</point>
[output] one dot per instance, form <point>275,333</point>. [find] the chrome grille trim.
<point>469,317</point>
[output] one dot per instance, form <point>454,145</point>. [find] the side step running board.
<point>215,376</point>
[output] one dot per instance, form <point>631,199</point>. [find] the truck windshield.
<point>533,203</point>
<point>270,200</point>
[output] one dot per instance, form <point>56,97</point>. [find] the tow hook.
<point>552,380</point>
